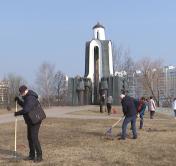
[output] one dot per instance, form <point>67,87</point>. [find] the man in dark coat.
<point>30,99</point>
<point>129,111</point>
<point>102,102</point>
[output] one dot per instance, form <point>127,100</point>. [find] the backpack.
<point>37,114</point>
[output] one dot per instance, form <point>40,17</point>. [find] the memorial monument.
<point>99,78</point>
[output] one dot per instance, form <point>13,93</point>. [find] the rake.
<point>109,131</point>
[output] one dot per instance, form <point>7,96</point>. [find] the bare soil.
<point>5,111</point>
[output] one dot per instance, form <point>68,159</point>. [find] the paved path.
<point>61,112</point>
<point>64,112</point>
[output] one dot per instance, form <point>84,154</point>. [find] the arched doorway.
<point>96,75</point>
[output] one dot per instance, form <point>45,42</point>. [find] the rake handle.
<point>117,122</point>
<point>114,125</point>
<point>16,128</point>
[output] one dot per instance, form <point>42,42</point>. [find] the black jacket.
<point>30,100</point>
<point>128,106</point>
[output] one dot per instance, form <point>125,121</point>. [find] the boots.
<point>29,158</point>
<point>38,159</point>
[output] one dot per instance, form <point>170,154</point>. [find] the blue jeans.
<point>141,121</point>
<point>133,126</point>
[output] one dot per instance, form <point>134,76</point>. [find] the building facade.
<point>164,89</point>
<point>4,94</point>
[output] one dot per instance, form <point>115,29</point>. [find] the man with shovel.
<point>30,99</point>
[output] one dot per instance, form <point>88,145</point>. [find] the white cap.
<point>122,96</point>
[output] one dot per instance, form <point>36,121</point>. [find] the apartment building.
<point>3,93</point>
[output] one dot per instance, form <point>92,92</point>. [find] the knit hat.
<point>122,96</point>
<point>22,89</point>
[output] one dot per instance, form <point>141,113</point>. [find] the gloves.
<point>16,99</point>
<point>18,113</point>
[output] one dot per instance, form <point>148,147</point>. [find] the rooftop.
<point>98,25</point>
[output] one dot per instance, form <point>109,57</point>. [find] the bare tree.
<point>117,56</point>
<point>128,64</point>
<point>122,61</point>
<point>45,82</point>
<point>60,85</point>
<point>14,82</point>
<point>150,70</point>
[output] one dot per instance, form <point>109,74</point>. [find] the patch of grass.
<point>82,143</point>
<point>5,111</point>
<point>116,110</point>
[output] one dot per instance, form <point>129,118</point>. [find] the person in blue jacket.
<point>140,111</point>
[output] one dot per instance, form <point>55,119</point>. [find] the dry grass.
<point>72,142</point>
<point>96,111</point>
<point>5,111</point>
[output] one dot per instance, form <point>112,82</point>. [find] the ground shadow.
<point>106,136</point>
<point>156,130</point>
<point>94,133</point>
<point>9,154</point>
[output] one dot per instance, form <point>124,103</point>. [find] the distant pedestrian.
<point>174,107</point>
<point>109,104</point>
<point>102,102</point>
<point>129,111</point>
<point>152,107</point>
<point>140,111</point>
<point>147,104</point>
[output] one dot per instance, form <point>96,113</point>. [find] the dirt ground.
<point>5,111</point>
<point>75,142</point>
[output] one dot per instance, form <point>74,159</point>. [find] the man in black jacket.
<point>30,99</point>
<point>129,111</point>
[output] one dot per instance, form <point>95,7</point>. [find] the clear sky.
<point>55,31</point>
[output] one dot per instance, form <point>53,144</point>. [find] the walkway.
<point>64,112</point>
<point>61,112</point>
